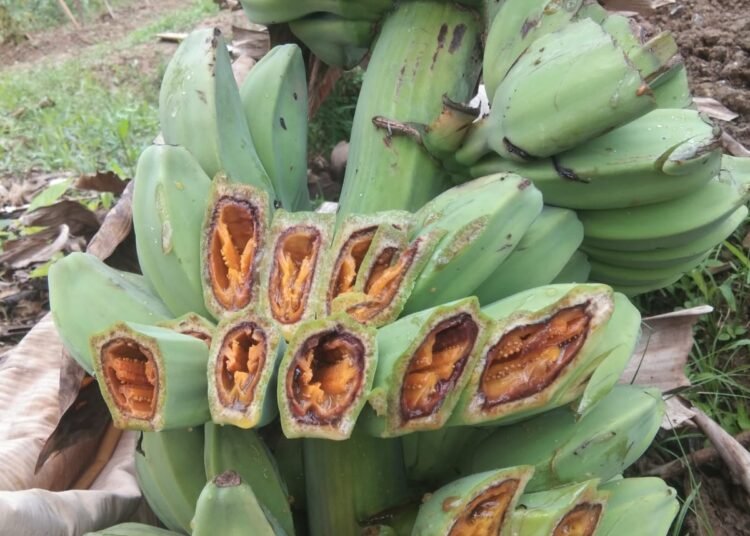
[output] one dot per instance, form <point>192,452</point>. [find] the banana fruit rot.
<point>274,97</point>
<point>200,109</point>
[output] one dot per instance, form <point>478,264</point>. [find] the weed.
<point>333,122</point>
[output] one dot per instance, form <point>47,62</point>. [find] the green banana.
<point>647,503</point>
<point>325,377</point>
<point>619,275</point>
<point>483,221</point>
<point>274,97</point>
<point>169,201</point>
<point>146,373</point>
<point>230,448</point>
<point>200,109</point>
<point>387,274</point>
<point>424,361</point>
<point>577,270</point>
<point>568,510</point>
<point>132,529</point>
<point>193,325</point>
<point>536,358</point>
<point>541,254</point>
<point>641,288</point>
<point>233,239</point>
<point>276,11</point>
<point>478,504</point>
<point>619,341</point>
<point>674,92</point>
<point>670,223</point>
<point>351,243</point>
<point>292,271</point>
<point>425,51</point>
<point>665,257</point>
<point>87,296</point>
<point>228,504</point>
<point>242,367</point>
<point>169,469</point>
<point>338,42</point>
<point>664,155</point>
<point>537,110</point>
<point>290,461</point>
<point>514,27</point>
<point>565,449</point>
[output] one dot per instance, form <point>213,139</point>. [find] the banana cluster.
<point>430,360</point>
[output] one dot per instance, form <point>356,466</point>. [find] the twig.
<point>69,13</point>
<point>109,8</point>
<point>735,456</point>
<point>698,458</point>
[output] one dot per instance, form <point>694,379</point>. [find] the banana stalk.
<point>424,362</point>
<point>577,270</point>
<point>169,201</point>
<point>566,449</point>
<point>483,222</point>
<point>230,448</point>
<point>169,469</point>
<point>569,510</point>
<point>325,377</point>
<point>87,296</point>
<point>227,503</point>
<point>242,367</point>
<point>663,155</point>
<point>541,254</point>
<point>133,529</point>
<point>146,374</point>
<point>338,42</point>
<point>425,51</point>
<point>557,119</point>
<point>292,271</point>
<point>478,504</point>
<point>274,97</point>
<point>200,109</point>
<point>536,358</point>
<point>233,240</point>
<point>193,325</point>
<point>646,502</point>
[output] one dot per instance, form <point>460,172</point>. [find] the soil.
<point>714,38</point>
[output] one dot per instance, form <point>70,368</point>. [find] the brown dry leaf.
<point>713,108</point>
<point>102,181</point>
<point>37,247</point>
<point>661,354</point>
<point>679,413</point>
<point>116,226</point>
<point>241,67</point>
<point>734,147</point>
<point>80,220</point>
<point>644,7</point>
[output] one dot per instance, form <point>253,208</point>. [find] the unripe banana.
<point>146,373</point>
<point>577,270</point>
<point>476,504</point>
<point>424,362</point>
<point>87,296</point>
<point>338,42</point>
<point>325,377</point>
<point>200,109</point>
<point>169,201</point>
<point>294,267</point>
<point>569,510</point>
<point>274,97</point>
<point>536,358</point>
<point>276,11</point>
<point>193,325</point>
<point>233,241</point>
<point>228,504</point>
<point>483,220</point>
<point>242,365</point>
<point>565,449</point>
<point>514,27</point>
<point>646,503</point>
<point>620,275</point>
<point>664,155</point>
<point>133,529</point>
<point>541,254</point>
<point>243,451</point>
<point>169,469</point>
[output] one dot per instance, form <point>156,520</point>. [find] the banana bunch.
<point>430,360</point>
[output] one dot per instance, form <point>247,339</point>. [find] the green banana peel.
<point>649,502</point>
<point>109,296</point>
<point>146,373</point>
<point>338,42</point>
<point>274,98</point>
<point>424,362</point>
<point>193,325</point>
<point>242,367</point>
<point>276,11</point>
<point>169,200</point>
<point>132,529</point>
<point>577,270</point>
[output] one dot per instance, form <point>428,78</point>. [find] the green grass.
<point>30,15</point>
<point>333,122</point>
<point>175,21</point>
